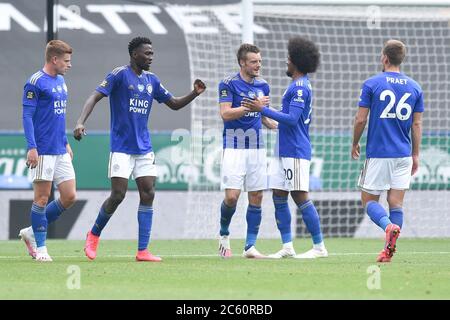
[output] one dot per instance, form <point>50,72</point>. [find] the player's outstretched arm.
<point>358,129</point>
<point>260,105</point>
<point>176,103</point>
<point>416,135</point>
<point>89,105</point>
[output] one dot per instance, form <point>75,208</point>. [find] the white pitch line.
<point>215,255</point>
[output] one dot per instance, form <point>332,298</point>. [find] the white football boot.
<point>27,235</point>
<point>318,251</point>
<point>252,253</point>
<point>224,247</point>
<point>42,255</point>
<point>286,252</point>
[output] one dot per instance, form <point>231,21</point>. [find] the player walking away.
<point>49,154</point>
<point>244,164</point>
<point>289,172</point>
<point>131,90</point>
<point>395,104</point>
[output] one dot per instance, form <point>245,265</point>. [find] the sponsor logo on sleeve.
<point>30,95</point>
<point>299,97</point>
<point>224,93</point>
<point>104,84</point>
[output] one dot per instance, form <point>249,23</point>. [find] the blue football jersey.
<point>130,100</point>
<point>392,98</point>
<point>245,132</point>
<point>293,141</point>
<point>48,95</point>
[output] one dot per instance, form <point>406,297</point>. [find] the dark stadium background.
<point>22,53</point>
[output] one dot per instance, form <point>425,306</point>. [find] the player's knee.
<point>394,203</point>
<point>299,197</point>
<point>147,197</point>
<point>255,198</point>
<point>231,200</point>
<point>41,201</point>
<point>68,199</point>
<point>117,196</point>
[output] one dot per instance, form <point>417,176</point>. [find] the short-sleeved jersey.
<point>293,141</point>
<point>245,132</point>
<point>392,98</point>
<point>130,99</point>
<point>48,95</point>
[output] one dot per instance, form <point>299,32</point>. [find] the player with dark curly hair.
<point>289,170</point>
<point>131,89</point>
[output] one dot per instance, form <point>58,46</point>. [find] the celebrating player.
<point>49,154</point>
<point>395,104</point>
<point>289,172</point>
<point>131,89</point>
<point>244,164</point>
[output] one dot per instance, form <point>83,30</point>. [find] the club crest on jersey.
<point>251,95</point>
<point>149,89</point>
<point>140,87</point>
<point>30,95</point>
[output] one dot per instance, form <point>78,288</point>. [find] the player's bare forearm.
<point>359,124</point>
<point>181,102</point>
<point>230,114</point>
<point>89,105</point>
<point>416,133</point>
<point>358,130</point>
<point>269,123</point>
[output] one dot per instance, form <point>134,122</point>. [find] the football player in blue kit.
<point>394,104</point>
<point>131,90</point>
<point>289,170</point>
<point>49,154</point>
<point>244,164</point>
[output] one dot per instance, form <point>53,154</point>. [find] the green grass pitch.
<point>192,270</point>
